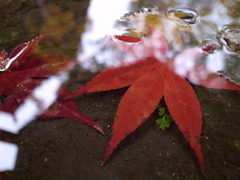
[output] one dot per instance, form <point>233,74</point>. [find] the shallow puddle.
<point>102,34</point>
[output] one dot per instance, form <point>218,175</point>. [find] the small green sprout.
<point>164,121</point>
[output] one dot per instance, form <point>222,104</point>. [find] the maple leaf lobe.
<point>137,104</point>
<point>185,109</point>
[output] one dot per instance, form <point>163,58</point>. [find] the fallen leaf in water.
<point>68,109</point>
<point>15,74</point>
<point>151,78</point>
<point>21,73</point>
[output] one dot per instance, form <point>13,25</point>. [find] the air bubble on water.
<point>150,10</point>
<point>209,45</point>
<point>144,11</point>
<point>126,38</point>
<point>229,36</point>
<point>183,16</point>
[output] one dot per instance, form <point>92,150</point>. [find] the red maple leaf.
<point>12,74</point>
<point>151,77</point>
<point>68,109</point>
<point>20,74</point>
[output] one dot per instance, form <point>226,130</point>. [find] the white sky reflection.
<point>216,62</point>
<point>8,156</point>
<point>33,106</point>
<point>102,16</point>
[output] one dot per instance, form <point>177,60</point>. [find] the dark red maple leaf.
<point>20,73</point>
<point>68,109</point>
<point>151,77</point>
<point>14,75</point>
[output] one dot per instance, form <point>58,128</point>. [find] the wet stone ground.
<point>63,149</point>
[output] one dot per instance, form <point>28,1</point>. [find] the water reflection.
<point>209,45</point>
<point>216,62</point>
<point>100,23</point>
<point>8,156</point>
<point>6,61</point>
<point>208,25</point>
<point>183,16</point>
<point>183,27</point>
<point>33,106</point>
<point>229,36</point>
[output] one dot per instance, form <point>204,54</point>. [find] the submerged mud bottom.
<point>64,149</point>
